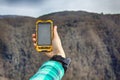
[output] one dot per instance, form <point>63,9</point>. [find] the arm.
<point>50,70</point>
<point>55,68</point>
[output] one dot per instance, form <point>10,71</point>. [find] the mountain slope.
<point>91,40</point>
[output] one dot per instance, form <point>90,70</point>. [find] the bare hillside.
<point>91,40</point>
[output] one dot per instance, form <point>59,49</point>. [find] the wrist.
<point>64,61</point>
<point>62,53</point>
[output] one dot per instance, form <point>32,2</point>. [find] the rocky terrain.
<point>91,40</point>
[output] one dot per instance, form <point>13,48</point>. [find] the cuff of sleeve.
<point>64,61</point>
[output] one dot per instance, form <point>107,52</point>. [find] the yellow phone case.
<point>44,48</point>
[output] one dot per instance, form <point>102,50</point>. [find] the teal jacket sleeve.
<point>50,70</point>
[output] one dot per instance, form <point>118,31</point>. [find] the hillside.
<point>91,40</point>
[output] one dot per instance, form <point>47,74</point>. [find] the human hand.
<point>56,43</point>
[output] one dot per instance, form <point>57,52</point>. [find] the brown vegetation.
<point>91,40</point>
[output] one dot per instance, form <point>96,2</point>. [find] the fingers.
<point>34,39</point>
<point>35,45</point>
<point>33,35</point>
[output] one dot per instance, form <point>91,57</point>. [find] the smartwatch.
<point>64,61</point>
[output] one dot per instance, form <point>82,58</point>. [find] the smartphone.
<point>44,35</point>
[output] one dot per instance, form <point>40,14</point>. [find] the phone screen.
<point>44,34</point>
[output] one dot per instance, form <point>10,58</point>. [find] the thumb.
<point>55,32</point>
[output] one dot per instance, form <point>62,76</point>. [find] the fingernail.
<point>34,39</point>
<point>34,44</point>
<point>33,35</point>
<point>55,26</point>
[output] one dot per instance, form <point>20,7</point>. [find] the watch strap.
<point>64,61</point>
